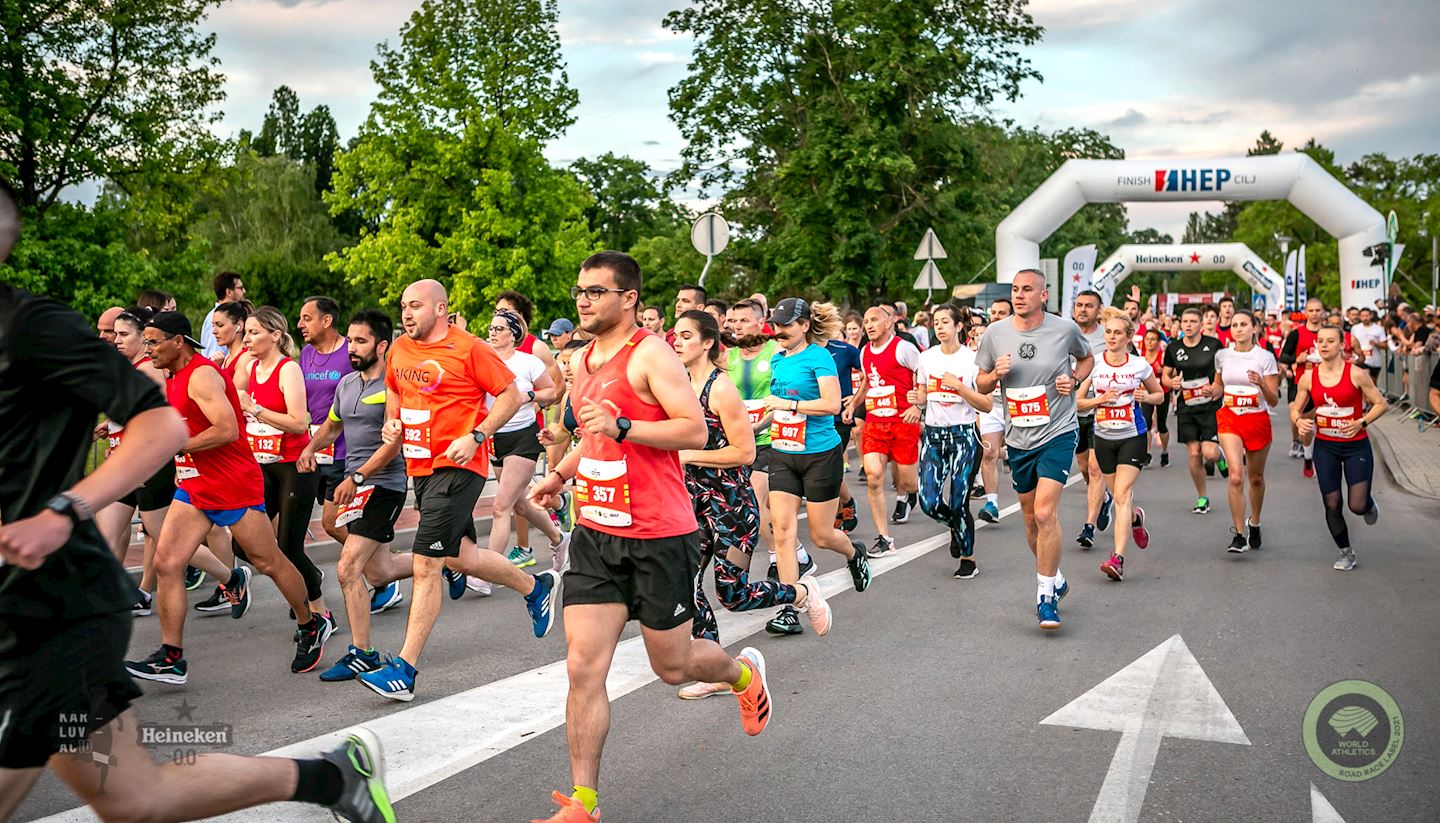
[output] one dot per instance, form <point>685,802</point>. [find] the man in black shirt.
<point>1190,364</point>
<point>65,600</point>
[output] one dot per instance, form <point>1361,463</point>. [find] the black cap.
<point>172,323</point>
<point>789,310</point>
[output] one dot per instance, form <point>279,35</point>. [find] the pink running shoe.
<point>1137,529</point>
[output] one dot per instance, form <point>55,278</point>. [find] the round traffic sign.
<point>710,234</point>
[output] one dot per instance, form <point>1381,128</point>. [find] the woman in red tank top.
<point>228,324</point>
<point>1157,415</point>
<point>1344,462</point>
<point>277,425</point>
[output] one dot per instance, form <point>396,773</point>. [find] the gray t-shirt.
<point>1096,337</point>
<point>360,406</point>
<point>1035,412</point>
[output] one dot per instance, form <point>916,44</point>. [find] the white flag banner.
<point>1301,295</point>
<point>1290,284</point>
<point>1078,271</point>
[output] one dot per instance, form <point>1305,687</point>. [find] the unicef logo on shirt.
<point>334,374</point>
<point>321,376</point>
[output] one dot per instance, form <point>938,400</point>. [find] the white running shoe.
<point>1346,562</point>
<point>560,561</point>
<point>816,609</point>
<point>475,584</point>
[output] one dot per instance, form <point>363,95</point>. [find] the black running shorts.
<point>331,475</point>
<point>157,492</point>
<point>1085,435</point>
<point>61,680</point>
<point>1130,451</point>
<point>815,477</point>
<point>520,443</point>
<point>446,502</point>
<point>377,519</point>
<point>1191,427</point>
<point>762,458</point>
<point>654,578</point>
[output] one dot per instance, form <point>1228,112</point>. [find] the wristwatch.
<point>70,506</point>
<point>480,437</point>
<point>358,479</point>
<point>623,424</point>
<point>530,395</point>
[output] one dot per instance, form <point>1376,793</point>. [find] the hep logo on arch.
<point>1191,179</point>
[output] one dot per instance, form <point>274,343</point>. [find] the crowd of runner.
<point>666,453</point>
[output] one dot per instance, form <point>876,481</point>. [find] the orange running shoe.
<point>755,707</point>
<point>571,811</point>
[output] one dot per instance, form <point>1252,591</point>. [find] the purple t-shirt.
<point>322,375</point>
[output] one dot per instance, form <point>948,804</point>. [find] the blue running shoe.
<point>395,680</point>
<point>990,513</point>
<point>355,662</point>
<point>193,578</point>
<point>1060,591</point>
<point>386,597</point>
<point>1086,537</point>
<point>541,601</point>
<point>1047,612</point>
<point>522,557</point>
<point>1102,520</point>
<point>457,583</point>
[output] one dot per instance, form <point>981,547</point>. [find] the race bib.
<point>264,441</point>
<point>787,431</point>
<point>1328,421</point>
<point>602,492</point>
<point>881,401</point>
<point>326,456</point>
<point>754,412</point>
<point>355,509</point>
<point>185,468</point>
<point>936,394</point>
<point>1190,391</point>
<point>1027,407</point>
<point>1242,399</point>
<point>416,426</point>
<point>1114,418</point>
<point>116,433</point>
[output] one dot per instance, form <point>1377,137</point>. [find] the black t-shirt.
<point>1435,379</point>
<point>1194,363</point>
<point>56,377</point>
<point>1421,335</point>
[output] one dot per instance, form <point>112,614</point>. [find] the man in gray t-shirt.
<point>1028,355</point>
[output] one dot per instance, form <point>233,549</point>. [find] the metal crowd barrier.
<point>1405,382</point>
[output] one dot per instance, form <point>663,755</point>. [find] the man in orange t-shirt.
<point>436,384</point>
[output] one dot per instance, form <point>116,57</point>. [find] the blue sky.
<point>1164,78</point>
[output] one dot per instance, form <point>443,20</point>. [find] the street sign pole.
<point>710,235</point>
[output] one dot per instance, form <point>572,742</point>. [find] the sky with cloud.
<point>1163,78</point>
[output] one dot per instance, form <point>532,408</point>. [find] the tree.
<point>93,89</point>
<point>280,131</point>
<point>838,127</point>
<point>627,206</point>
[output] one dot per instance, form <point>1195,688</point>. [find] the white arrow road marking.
<point>1163,694</point>
<point>1320,809</point>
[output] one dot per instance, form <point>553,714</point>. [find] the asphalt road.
<point>925,702</point>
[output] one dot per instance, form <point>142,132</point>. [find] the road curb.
<point>1387,454</point>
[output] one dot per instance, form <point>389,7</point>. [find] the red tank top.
<point>225,477</point>
<point>228,366</point>
<point>890,382</point>
<point>267,443</point>
<point>1158,366</point>
<point>1336,404</point>
<point>1304,348</point>
<point>626,489</point>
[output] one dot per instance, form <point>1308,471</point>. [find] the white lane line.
<point>425,744</point>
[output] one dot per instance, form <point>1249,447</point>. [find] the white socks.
<point>802,556</point>
<point>992,498</point>
<point>1310,450</point>
<point>1047,587</point>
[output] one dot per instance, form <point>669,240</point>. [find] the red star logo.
<point>1194,257</point>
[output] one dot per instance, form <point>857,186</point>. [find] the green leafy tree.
<point>628,205</point>
<point>280,131</point>
<point>837,128</point>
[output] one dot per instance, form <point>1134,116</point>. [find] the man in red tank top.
<point>635,550</point>
<point>892,424</point>
<point>1299,353</point>
<point>219,485</point>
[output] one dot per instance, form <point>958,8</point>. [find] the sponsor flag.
<point>1301,295</point>
<point>1078,273</point>
<point>1289,304</point>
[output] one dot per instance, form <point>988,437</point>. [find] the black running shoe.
<point>859,568</point>
<point>808,567</point>
<point>363,797</point>
<point>1086,538</point>
<point>967,569</point>
<point>1252,535</point>
<point>309,646</point>
<point>193,578</point>
<point>159,668</point>
<point>786,622</point>
<point>849,517</point>
<point>1238,544</point>
<point>239,594</point>
<point>216,602</point>
<point>1164,459</point>
<point>902,510</point>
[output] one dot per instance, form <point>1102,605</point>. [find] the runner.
<point>1342,446</point>
<point>633,555</point>
<point>808,458</point>
<point>219,484</point>
<point>1369,340</point>
<point>324,360</point>
<point>725,506</point>
<point>64,599</point>
<point>892,430</point>
<point>847,367</point>
<point>372,492</point>
<point>435,386</point>
<point>951,451</point>
<point>517,447</point>
<point>991,426</point>
<point>1098,498</point>
<point>229,288</point>
<point>1029,357</point>
<point>228,324</point>
<point>1248,379</point>
<point>1157,415</point>
<point>1190,363</point>
<point>854,411</point>
<point>747,364</point>
<point>1119,383</point>
<point>653,319</point>
<point>1299,352</point>
<point>277,425</point>
<point>105,324</point>
<point>1001,308</point>
<point>1226,313</point>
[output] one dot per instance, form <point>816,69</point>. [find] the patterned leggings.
<point>729,518</point>
<point>950,454</point>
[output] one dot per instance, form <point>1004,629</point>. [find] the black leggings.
<point>1356,462</point>
<point>290,496</point>
<point>1157,417</point>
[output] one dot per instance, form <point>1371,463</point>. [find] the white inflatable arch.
<point>1183,257</point>
<point>1293,177</point>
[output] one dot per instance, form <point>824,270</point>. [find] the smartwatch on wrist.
<point>358,479</point>
<point>480,437</point>
<point>70,506</point>
<point>623,424</point>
